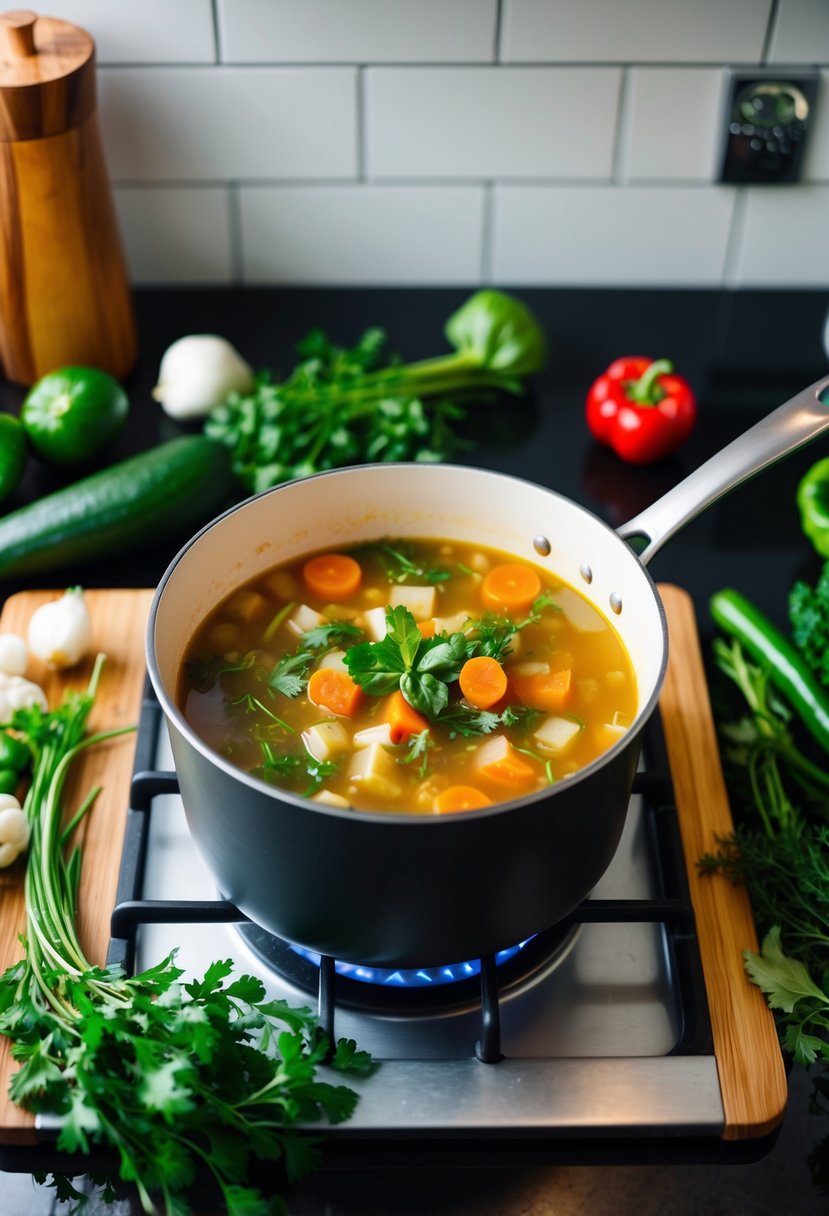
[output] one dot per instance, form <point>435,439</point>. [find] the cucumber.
<point>175,485</point>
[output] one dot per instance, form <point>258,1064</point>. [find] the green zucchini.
<point>168,488</point>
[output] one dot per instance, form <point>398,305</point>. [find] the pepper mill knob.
<point>19,31</point>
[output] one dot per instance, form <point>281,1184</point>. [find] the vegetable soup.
<point>427,676</point>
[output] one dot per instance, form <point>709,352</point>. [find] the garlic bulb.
<point>197,373</point>
<point>14,830</point>
<point>14,654</point>
<point>60,632</point>
<point>17,693</point>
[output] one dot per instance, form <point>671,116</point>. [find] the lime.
<point>12,454</point>
<point>71,413</point>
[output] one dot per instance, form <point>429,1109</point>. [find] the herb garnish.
<point>400,567</point>
<point>420,667</point>
<point>295,766</point>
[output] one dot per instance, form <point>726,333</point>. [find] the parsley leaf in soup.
<point>290,675</point>
<point>330,635</point>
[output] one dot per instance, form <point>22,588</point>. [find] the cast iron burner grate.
<point>673,910</point>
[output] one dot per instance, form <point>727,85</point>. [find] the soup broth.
<point>424,676</point>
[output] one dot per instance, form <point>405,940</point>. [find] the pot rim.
<point>177,719</point>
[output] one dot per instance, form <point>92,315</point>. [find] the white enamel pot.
<point>397,889</point>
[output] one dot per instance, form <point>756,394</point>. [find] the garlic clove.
<point>14,654</point>
<point>198,372</point>
<point>60,632</point>
<point>15,830</point>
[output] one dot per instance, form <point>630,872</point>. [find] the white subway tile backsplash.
<point>490,122</point>
<point>176,234</point>
<point>634,31</point>
<point>203,124</point>
<point>153,31</point>
<point>360,235</point>
<point>784,241</point>
<point>608,236</point>
<point>359,31</point>
<point>801,32</point>
<point>816,158</point>
<point>674,124</point>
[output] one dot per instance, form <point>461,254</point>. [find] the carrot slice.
<point>335,690</point>
<point>510,588</point>
<point>483,681</point>
<point>500,763</point>
<point>403,720</point>
<point>333,576</point>
<point>460,798</point>
<point>427,628</point>
<point>550,690</point>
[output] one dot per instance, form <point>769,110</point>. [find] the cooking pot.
<point>401,889</point>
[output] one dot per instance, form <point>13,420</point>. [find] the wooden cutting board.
<point>752,1075</point>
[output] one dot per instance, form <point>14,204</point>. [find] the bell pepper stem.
<point>645,390</point>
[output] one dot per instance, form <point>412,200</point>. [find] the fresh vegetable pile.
<point>337,407</point>
<point>352,406</point>
<point>177,1081</point>
<point>775,738</point>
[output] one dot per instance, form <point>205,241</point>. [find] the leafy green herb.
<point>290,674</point>
<point>254,705</point>
<point>174,1079</point>
<point>468,722</point>
<point>809,618</point>
<point>295,767</point>
<point>493,633</point>
<point>335,634</point>
<point>340,406</point>
<point>203,673</point>
<point>421,668</point>
<point>418,749</point>
<point>400,567</point>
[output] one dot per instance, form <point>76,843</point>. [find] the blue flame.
<point>415,977</point>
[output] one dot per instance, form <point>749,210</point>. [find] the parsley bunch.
<point>178,1081</point>
<point>342,406</point>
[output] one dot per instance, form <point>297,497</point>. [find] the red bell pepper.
<point>640,409</point>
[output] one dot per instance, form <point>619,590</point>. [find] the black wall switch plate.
<point>768,115</point>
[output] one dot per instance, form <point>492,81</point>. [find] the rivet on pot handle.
<point>785,430</point>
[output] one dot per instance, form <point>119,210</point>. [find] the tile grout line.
<point>620,163</point>
<point>733,245</point>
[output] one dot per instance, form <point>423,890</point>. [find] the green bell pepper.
<point>813,504</point>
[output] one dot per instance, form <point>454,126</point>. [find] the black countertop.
<point>744,353</point>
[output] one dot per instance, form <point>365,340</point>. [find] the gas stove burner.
<point>386,990</point>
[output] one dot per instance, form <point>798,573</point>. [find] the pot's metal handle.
<point>784,430</point>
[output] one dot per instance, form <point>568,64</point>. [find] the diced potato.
<point>374,734</point>
<point>515,647</point>
<point>556,734</point>
<point>420,601</point>
<point>531,668</point>
<point>327,798</point>
<point>374,624</point>
<point>326,740</point>
<point>615,679</point>
<point>581,615</point>
<point>479,562</point>
<point>375,771</point>
<point>373,595</point>
<point>451,624</point>
<point>248,607</point>
<point>303,619</point>
<point>281,585</point>
<point>334,660</point>
<point>224,635</point>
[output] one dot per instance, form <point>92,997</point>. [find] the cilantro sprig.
<point>175,1080</point>
<point>422,668</point>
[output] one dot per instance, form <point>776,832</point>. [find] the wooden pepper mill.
<point>64,293</point>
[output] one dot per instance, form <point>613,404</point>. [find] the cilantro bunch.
<point>342,406</point>
<point>177,1080</point>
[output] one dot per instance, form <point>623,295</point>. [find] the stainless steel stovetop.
<point>607,1039</point>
